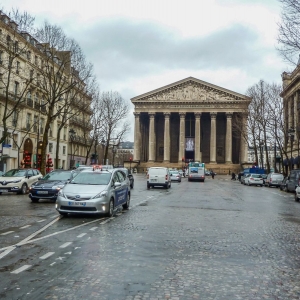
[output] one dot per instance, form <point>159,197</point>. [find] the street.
<point>213,240</point>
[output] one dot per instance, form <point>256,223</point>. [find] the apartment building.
<point>25,90</point>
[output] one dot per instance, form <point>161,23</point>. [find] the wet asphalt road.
<point>212,240</point>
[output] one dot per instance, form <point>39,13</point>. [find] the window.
<point>17,67</point>
<point>64,149</point>
<point>36,60</point>
<point>14,119</point>
<point>35,123</point>
<point>29,55</point>
<point>50,130</point>
<point>16,88</point>
<point>42,126</point>
<point>28,121</point>
<point>14,142</point>
<point>16,46</point>
<point>50,147</point>
<point>1,57</point>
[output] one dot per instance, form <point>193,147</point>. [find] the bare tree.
<point>289,31</point>
<point>63,70</point>
<point>113,127</point>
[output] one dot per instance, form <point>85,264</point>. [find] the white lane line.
<point>5,233</point>
<point>26,226</point>
<point>81,235</point>
<point>93,228</point>
<point>65,245</point>
<point>53,217</point>
<point>25,267</point>
<point>47,255</point>
<point>42,220</point>
<point>7,251</point>
<point>52,264</point>
<point>104,222</point>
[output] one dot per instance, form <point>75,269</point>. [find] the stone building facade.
<point>190,120</point>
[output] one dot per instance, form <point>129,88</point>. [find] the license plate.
<point>3,191</point>
<point>153,180</point>
<point>42,192</point>
<point>77,203</point>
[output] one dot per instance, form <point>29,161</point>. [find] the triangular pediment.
<point>190,89</point>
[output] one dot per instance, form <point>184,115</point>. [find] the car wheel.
<point>148,186</point>
<point>284,189</point>
<point>23,189</point>
<point>261,185</point>
<point>170,185</point>
<point>63,213</point>
<point>126,205</point>
<point>110,208</point>
<point>131,185</point>
<point>34,200</point>
<point>296,198</point>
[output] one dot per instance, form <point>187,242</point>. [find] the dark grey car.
<point>293,180</point>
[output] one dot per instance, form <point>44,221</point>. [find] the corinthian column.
<point>167,138</point>
<point>244,144</point>
<point>228,145</point>
<point>151,138</point>
<point>213,142</point>
<point>137,141</point>
<point>197,136</point>
<point>181,136</point>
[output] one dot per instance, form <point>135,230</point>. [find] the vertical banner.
<point>189,144</point>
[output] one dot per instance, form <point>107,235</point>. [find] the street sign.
<point>6,145</point>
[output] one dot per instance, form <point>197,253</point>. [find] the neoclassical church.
<point>190,120</point>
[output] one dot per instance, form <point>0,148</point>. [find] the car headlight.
<point>61,194</point>
<point>58,187</point>
<point>101,194</point>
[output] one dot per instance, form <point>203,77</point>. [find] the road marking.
<point>6,251</point>
<point>47,255</point>
<point>65,245</point>
<point>68,253</point>
<point>26,226</point>
<point>41,220</point>
<point>60,258</point>
<point>81,235</point>
<point>5,233</point>
<point>17,271</point>
<point>52,264</point>
<point>93,228</point>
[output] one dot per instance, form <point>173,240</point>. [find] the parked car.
<point>283,184</point>
<point>175,176</point>
<point>297,193</point>
<point>293,180</point>
<point>95,192</point>
<point>254,179</point>
<point>18,180</point>
<point>274,179</point>
<point>158,176</point>
<point>48,186</point>
<point>129,175</point>
<point>243,178</point>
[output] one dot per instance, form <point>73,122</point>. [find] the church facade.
<point>190,120</point>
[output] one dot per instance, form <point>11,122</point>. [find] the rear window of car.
<point>156,171</point>
<point>277,176</point>
<point>256,176</point>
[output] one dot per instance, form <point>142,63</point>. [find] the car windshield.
<point>58,176</point>
<point>14,173</point>
<point>93,178</point>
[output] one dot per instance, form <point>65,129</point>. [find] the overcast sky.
<point>137,46</point>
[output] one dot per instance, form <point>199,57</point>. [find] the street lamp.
<point>114,150</point>
<point>72,136</point>
<point>291,133</point>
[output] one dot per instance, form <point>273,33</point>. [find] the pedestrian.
<point>233,176</point>
<point>212,174</point>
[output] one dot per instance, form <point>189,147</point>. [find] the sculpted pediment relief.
<point>190,90</point>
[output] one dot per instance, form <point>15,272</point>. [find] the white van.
<point>158,176</point>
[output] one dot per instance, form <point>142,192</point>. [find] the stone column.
<point>295,118</point>
<point>137,135</point>
<point>228,144</point>
<point>213,141</point>
<point>197,137</point>
<point>244,144</point>
<point>167,138</point>
<point>151,137</point>
<point>181,137</point>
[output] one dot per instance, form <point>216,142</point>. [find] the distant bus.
<point>196,171</point>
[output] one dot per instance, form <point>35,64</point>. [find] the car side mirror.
<point>117,184</point>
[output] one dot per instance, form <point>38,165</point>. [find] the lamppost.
<point>114,150</point>
<point>291,133</point>
<point>72,136</point>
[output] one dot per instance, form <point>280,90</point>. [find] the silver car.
<point>175,176</point>
<point>95,192</point>
<point>254,179</point>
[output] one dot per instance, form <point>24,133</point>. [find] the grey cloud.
<point>125,47</point>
